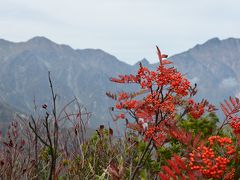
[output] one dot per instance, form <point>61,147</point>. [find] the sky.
<point>127,29</point>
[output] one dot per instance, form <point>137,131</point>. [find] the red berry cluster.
<point>157,134</point>
<point>235,124</point>
<point>196,110</point>
<point>210,162</point>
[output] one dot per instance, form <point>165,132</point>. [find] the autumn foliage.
<point>167,135</point>
<point>164,99</point>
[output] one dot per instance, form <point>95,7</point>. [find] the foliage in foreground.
<point>167,136</point>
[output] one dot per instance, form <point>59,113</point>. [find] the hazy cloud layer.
<point>229,82</point>
<point>129,29</point>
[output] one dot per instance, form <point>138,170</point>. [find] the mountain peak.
<point>144,62</point>
<point>40,39</point>
<point>214,40</point>
<point>214,43</point>
<point>208,44</point>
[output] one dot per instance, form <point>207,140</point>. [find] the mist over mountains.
<point>85,74</point>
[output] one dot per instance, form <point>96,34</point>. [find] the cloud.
<point>229,82</point>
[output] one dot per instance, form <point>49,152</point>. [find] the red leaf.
<point>169,171</point>
<point>164,62</point>
<point>180,162</point>
<point>237,100</point>
<point>117,80</point>
<point>173,165</point>
<point>159,55</point>
<point>111,95</point>
<point>164,55</point>
<point>110,131</point>
<point>224,110</point>
<point>163,176</point>
<point>196,139</point>
<point>233,101</point>
<point>183,177</point>
<point>228,105</point>
<point>192,177</point>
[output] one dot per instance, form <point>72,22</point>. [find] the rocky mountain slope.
<point>214,66</point>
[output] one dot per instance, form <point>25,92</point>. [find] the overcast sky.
<point>128,29</point>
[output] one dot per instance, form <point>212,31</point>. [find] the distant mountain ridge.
<point>85,73</point>
<point>214,66</point>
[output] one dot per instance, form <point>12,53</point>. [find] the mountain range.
<point>84,74</point>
